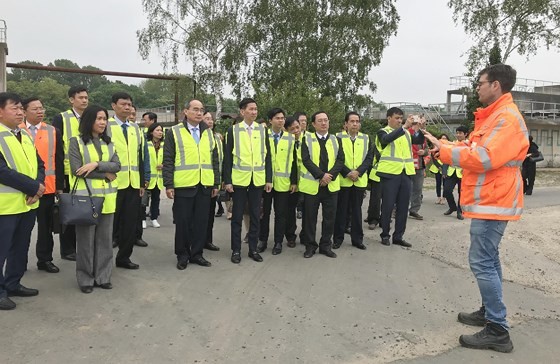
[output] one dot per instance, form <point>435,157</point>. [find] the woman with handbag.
<point>155,148</point>
<point>94,164</point>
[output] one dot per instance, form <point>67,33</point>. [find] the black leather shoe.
<point>277,249</point>
<point>291,244</point>
<point>309,252</point>
<point>385,241</point>
<point>360,246</point>
<point>460,216</point>
<point>201,261</point>
<point>70,257</point>
<point>402,243</point>
<point>86,289</point>
<point>236,257</point>
<point>115,244</point>
<point>211,246</point>
<point>107,285</point>
<point>449,212</point>
<point>48,267</point>
<point>6,304</point>
<point>182,264</point>
<point>262,246</point>
<point>416,216</point>
<point>329,253</point>
<point>22,291</point>
<point>336,244</point>
<point>127,265</point>
<point>255,256</point>
<point>140,243</point>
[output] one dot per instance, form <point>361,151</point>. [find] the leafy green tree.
<point>20,74</point>
<point>52,94</point>
<point>522,26</point>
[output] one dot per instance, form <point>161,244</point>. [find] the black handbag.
<point>79,210</point>
<point>538,158</point>
<point>56,225</point>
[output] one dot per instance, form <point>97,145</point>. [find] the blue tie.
<point>194,132</point>
<point>125,131</point>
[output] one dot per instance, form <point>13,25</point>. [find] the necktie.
<point>276,137</point>
<point>17,134</point>
<point>125,131</point>
<point>249,128</point>
<point>194,132</point>
<point>33,130</point>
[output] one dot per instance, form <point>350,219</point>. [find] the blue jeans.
<point>484,260</point>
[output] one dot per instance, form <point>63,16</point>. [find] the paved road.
<point>380,305</point>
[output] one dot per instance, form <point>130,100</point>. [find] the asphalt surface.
<point>380,305</point>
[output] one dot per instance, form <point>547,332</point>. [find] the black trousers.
<point>291,219</point>
<point>264,223</point>
<point>395,191</point>
<point>126,222</point>
<point>241,196</point>
<point>280,201</point>
<point>191,221</point>
<point>210,226</point>
<point>45,241</point>
<point>349,199</point>
<point>448,187</point>
<point>15,233</point>
<point>374,207</point>
<point>140,217</point>
<point>68,235</point>
<point>528,172</point>
<point>155,198</point>
<point>328,200</point>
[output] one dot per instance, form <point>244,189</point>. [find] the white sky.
<point>416,65</point>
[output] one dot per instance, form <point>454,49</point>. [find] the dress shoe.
<point>219,214</point>
<point>449,212</point>
<point>402,243</point>
<point>211,246</point>
<point>70,257</point>
<point>236,257</point>
<point>329,253</point>
<point>48,267</point>
<point>155,224</point>
<point>22,291</point>
<point>255,256</point>
<point>107,285</point>
<point>372,226</point>
<point>182,264</point>
<point>460,216</point>
<point>385,241</point>
<point>291,244</point>
<point>360,246</point>
<point>127,265</point>
<point>7,304</point>
<point>86,289</point>
<point>141,243</point>
<point>115,243</point>
<point>262,246</point>
<point>336,244</point>
<point>416,216</point>
<point>309,252</point>
<point>277,249</point>
<point>201,261</point>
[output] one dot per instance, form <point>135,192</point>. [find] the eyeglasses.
<point>197,110</point>
<point>480,83</point>
<point>37,109</point>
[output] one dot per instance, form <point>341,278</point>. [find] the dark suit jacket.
<point>387,138</point>
<point>314,169</point>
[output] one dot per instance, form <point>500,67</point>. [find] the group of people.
<point>260,166</point>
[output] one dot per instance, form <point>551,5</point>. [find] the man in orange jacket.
<point>492,195</point>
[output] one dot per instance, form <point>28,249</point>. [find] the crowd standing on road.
<point>262,167</point>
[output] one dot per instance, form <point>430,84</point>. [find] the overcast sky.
<point>416,65</point>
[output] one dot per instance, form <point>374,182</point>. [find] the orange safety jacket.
<point>492,187</point>
<point>45,143</point>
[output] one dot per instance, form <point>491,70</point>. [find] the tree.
<point>333,43</point>
<point>202,30</point>
<point>522,26</point>
<point>52,94</point>
<point>20,74</point>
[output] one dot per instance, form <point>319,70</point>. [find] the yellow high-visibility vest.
<point>249,155</point>
<point>193,162</point>
<point>434,169</point>
<point>22,158</point>
<point>282,158</point>
<point>70,129</point>
<point>220,147</point>
<point>354,155</point>
<point>307,183</point>
<point>452,169</point>
<point>397,155</point>
<point>128,152</point>
<point>98,187</point>
<point>156,159</point>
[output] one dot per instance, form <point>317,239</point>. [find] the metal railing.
<point>521,85</point>
<point>432,113</point>
<point>3,31</point>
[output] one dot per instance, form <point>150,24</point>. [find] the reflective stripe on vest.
<point>156,158</point>
<point>22,158</point>
<point>353,158</point>
<point>98,187</point>
<point>70,129</point>
<point>193,163</point>
<point>397,155</point>
<point>282,158</point>
<point>128,153</point>
<point>249,156</point>
<point>220,147</point>
<point>307,183</point>
<point>457,170</point>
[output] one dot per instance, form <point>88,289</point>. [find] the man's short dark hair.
<point>298,114</point>
<point>289,121</point>
<point>76,90</point>
<point>151,116</point>
<point>502,73</point>
<point>120,96</point>
<point>27,101</point>
<point>272,112</point>
<point>394,110</point>
<point>246,101</point>
<point>463,129</point>
<point>8,96</point>
<point>317,113</point>
<point>350,113</point>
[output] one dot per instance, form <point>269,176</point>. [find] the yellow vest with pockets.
<point>193,163</point>
<point>156,159</point>
<point>307,183</point>
<point>397,155</point>
<point>249,155</point>
<point>129,174</point>
<point>354,155</point>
